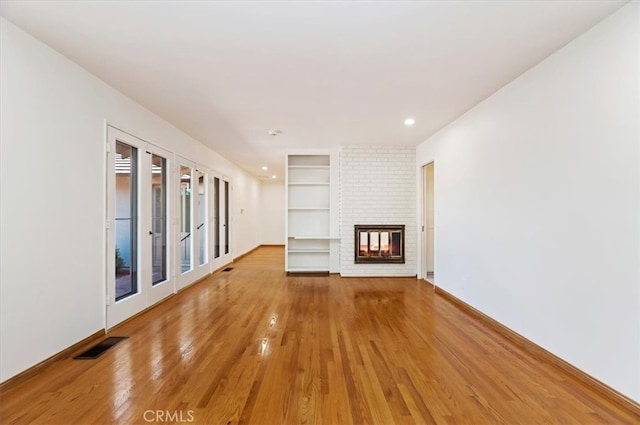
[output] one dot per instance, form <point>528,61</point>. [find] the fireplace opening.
<point>383,243</point>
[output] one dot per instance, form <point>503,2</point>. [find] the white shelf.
<point>307,269</point>
<point>311,237</point>
<point>308,183</point>
<point>308,186</point>
<point>308,251</point>
<point>308,196</point>
<point>308,175</point>
<point>308,161</point>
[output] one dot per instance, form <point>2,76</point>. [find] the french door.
<point>187,188</point>
<point>220,222</point>
<point>139,233</point>
<point>203,234</point>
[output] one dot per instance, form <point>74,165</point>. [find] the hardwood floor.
<point>256,346</point>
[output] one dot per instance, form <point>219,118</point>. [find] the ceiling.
<point>324,73</point>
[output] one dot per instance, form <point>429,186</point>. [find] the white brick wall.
<point>377,186</point>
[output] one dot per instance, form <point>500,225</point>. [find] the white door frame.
<point>204,269</point>
<point>199,271</point>
<point>188,277</point>
<point>221,226</point>
<point>424,248</point>
<point>147,294</point>
<point>165,288</point>
<point>216,227</point>
<point>226,223</point>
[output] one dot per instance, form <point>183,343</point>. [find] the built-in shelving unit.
<point>308,209</point>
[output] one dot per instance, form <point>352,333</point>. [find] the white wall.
<point>272,212</point>
<point>52,138</point>
<point>537,197</point>
<point>377,186</point>
<point>245,213</point>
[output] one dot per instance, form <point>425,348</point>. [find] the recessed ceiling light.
<point>273,177</point>
<point>274,132</point>
<point>409,122</point>
<point>265,168</point>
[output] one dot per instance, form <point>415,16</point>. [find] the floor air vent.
<point>228,269</point>
<point>99,349</point>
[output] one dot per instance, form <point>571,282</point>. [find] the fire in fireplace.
<point>383,243</point>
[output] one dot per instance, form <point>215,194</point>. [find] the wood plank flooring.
<point>255,346</point>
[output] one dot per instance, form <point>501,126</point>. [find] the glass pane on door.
<point>186,229</point>
<point>203,218</point>
<point>158,219</point>
<point>226,217</point>
<point>216,217</point>
<point>126,220</point>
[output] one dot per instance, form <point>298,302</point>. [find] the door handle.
<point>150,232</point>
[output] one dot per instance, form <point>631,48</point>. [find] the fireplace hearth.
<point>382,243</point>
